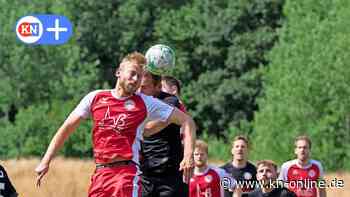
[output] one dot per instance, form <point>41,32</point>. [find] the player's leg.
<point>122,181</point>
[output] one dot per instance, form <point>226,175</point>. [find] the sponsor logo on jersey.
<point>312,173</point>
<point>103,100</point>
<point>129,105</point>
<point>208,178</point>
<point>116,122</point>
<point>295,172</point>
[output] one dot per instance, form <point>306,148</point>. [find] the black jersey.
<point>246,176</point>
<point>163,151</point>
<point>277,192</point>
<point>6,188</point>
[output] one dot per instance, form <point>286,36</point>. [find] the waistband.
<point>114,164</point>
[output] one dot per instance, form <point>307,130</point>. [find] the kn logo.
<point>44,29</point>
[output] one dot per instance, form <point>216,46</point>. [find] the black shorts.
<point>163,186</point>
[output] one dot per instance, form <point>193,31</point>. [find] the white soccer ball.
<point>160,59</point>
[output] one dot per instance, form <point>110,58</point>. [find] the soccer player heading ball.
<point>162,151</point>
<point>119,116</point>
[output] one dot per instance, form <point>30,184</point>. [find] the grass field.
<point>71,178</point>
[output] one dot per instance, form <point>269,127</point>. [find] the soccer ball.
<point>160,59</point>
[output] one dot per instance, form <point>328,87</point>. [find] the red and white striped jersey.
<point>118,122</point>
<point>302,180</point>
<point>207,184</point>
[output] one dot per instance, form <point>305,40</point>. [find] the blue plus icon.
<point>57,29</point>
<point>44,29</point>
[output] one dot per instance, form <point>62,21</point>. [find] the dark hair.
<point>157,79</point>
<point>172,81</point>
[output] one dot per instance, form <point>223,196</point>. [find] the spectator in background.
<point>303,168</point>
<point>240,168</point>
<point>268,187</point>
<point>208,180</point>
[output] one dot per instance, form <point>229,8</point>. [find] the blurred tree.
<point>32,74</point>
<point>307,85</point>
<point>34,128</point>
<point>33,78</point>
<point>111,29</point>
<point>219,46</point>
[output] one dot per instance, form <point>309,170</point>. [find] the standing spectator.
<point>268,187</point>
<point>208,180</point>
<point>243,171</point>
<point>303,170</point>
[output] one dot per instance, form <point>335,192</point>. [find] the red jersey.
<point>302,180</point>
<point>207,184</point>
<point>118,122</point>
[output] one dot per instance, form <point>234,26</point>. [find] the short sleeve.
<point>283,172</point>
<point>157,109</point>
<point>320,167</point>
<point>83,108</point>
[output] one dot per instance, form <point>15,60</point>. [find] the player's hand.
<point>187,166</point>
<point>41,170</point>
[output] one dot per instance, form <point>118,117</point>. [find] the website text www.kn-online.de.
<point>305,184</point>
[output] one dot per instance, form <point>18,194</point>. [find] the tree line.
<point>269,69</point>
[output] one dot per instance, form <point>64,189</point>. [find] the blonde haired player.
<point>208,181</point>
<point>119,116</point>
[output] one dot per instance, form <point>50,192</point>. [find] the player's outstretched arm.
<point>70,124</point>
<point>189,128</point>
<point>154,126</point>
